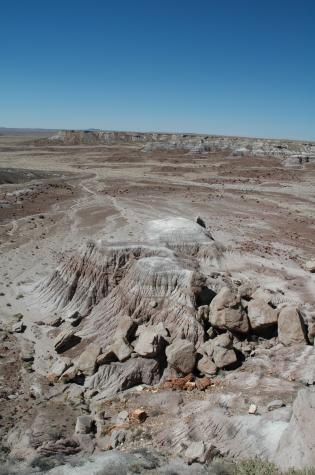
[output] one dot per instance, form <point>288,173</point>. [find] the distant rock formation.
<point>294,152</point>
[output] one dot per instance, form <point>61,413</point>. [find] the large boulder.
<point>227,313</point>
<point>151,341</point>
<point>126,329</point>
<point>224,357</point>
<point>225,340</point>
<point>206,366</point>
<point>66,339</point>
<point>86,362</point>
<point>261,315</point>
<point>58,368</point>
<point>121,349</point>
<point>296,446</point>
<point>220,350</point>
<point>291,329</point>
<point>83,425</point>
<point>181,356</point>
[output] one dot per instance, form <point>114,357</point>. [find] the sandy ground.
<point>54,198</point>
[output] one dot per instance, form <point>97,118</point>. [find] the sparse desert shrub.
<point>258,466</point>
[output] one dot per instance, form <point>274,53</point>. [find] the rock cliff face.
<point>295,152</point>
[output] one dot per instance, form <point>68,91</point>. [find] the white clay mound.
<point>177,231</point>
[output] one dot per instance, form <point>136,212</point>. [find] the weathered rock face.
<point>240,436</point>
<point>290,326</point>
<point>296,447</point>
<point>227,313</point>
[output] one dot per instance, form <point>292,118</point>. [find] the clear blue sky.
<point>237,67</point>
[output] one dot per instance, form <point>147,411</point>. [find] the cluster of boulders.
<point>235,322</point>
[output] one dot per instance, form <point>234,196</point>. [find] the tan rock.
<point>83,425</point>
<point>291,329</point>
<point>181,356</point>
<point>65,339</point>
<point>122,349</point>
<point>138,415</point>
<point>224,357</point>
<point>206,366</point>
<point>227,313</point>
<point>106,357</point>
<point>310,266</point>
<point>69,374</point>
<point>203,383</point>
<point>126,329</point>
<point>87,360</point>
<point>59,367</point>
<point>150,342</point>
<point>261,315</point>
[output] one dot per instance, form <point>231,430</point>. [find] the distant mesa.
<point>295,152</point>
